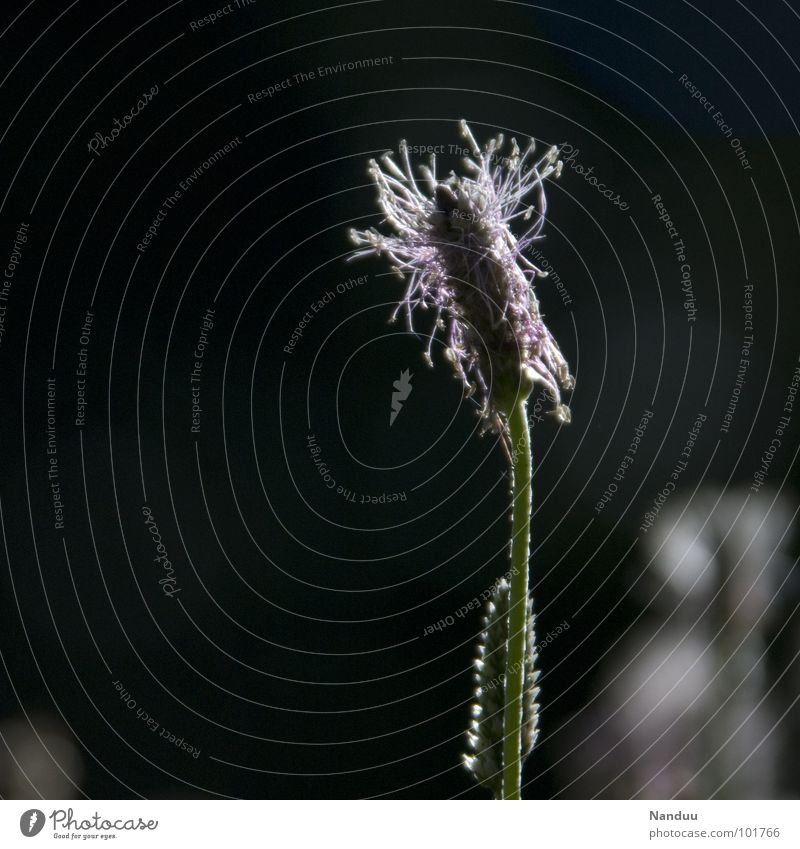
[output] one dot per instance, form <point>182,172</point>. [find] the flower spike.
<point>460,258</point>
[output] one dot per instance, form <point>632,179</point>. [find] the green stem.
<point>518,600</point>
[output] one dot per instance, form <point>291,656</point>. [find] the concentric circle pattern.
<point>248,532</point>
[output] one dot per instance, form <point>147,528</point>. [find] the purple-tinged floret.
<point>454,245</point>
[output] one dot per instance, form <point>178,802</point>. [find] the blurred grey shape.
<point>688,702</point>
<point>39,758</point>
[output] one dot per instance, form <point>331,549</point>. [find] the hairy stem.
<point>518,601</point>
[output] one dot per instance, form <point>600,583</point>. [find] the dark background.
<point>294,655</point>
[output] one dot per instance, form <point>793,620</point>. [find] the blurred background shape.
<point>687,704</point>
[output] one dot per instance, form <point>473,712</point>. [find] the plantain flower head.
<point>454,245</point>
